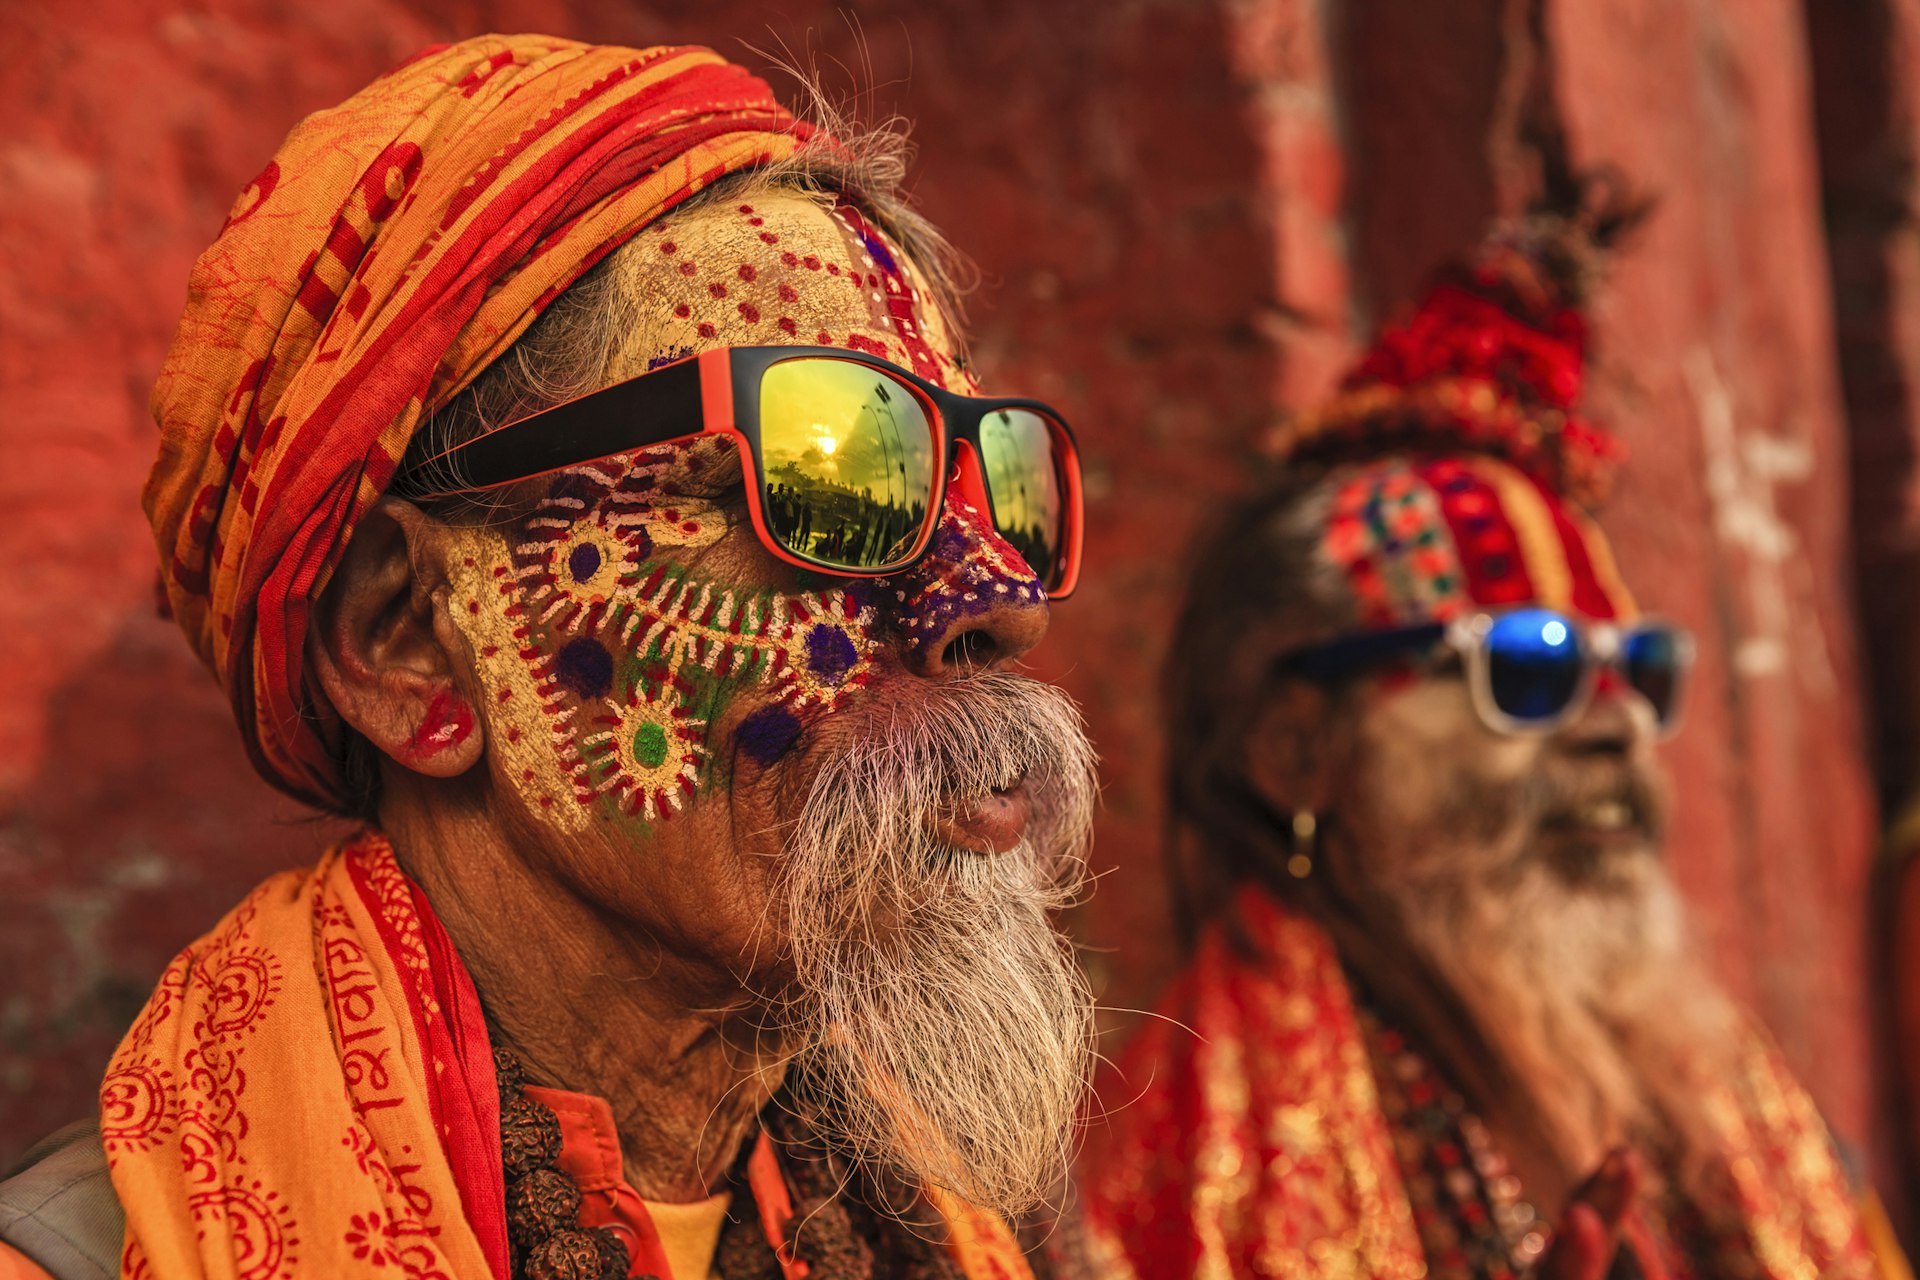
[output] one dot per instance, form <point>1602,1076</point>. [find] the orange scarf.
<point>395,246</point>
<point>310,1091</point>
<point>1257,1145</point>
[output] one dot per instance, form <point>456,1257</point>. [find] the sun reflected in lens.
<point>847,456</point>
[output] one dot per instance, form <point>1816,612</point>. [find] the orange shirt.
<point>671,1241</point>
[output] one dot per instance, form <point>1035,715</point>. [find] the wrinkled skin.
<point>595,802</point>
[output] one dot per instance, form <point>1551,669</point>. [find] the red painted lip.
<point>991,823</point>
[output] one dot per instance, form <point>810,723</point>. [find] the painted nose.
<point>971,603</point>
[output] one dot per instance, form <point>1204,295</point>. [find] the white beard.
<point>1589,993</point>
<point>939,1016</point>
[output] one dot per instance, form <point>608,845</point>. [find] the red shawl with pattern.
<point>1257,1144</point>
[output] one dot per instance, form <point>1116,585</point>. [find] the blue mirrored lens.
<point>1652,658</point>
<point>1533,663</point>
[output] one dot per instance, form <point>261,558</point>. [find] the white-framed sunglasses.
<point>1529,669</point>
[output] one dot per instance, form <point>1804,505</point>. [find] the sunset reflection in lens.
<point>848,460</point>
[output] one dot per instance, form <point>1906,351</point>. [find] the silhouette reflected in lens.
<point>848,456</point>
<point>1018,457</point>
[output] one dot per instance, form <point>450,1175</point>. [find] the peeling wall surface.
<point>1184,211</point>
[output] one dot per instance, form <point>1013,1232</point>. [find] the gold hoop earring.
<point>1306,827</point>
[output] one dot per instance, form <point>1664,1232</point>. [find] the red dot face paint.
<point>788,270</point>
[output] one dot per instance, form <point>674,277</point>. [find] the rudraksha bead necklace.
<point>545,1240</point>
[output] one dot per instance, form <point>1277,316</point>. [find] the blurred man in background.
<point>699,925</point>
<point>1442,1018</point>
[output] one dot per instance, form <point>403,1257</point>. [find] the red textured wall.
<point>1869,131</point>
<point>1183,211</point>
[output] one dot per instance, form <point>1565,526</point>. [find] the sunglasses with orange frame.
<point>847,457</point>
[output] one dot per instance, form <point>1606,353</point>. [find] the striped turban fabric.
<point>1463,470</point>
<point>394,247</point>
<point>1424,539</point>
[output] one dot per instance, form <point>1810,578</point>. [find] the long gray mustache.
<point>957,742</point>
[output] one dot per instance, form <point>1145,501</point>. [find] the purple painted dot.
<point>830,652</point>
<point>584,668</point>
<point>584,562</point>
<point>949,543</point>
<point>768,734</point>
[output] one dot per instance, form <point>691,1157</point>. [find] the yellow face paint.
<point>781,269</point>
<point>608,661</point>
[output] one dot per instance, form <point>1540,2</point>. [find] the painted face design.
<point>969,568</point>
<point>609,663</point>
<point>783,269</point>
<point>612,658</point>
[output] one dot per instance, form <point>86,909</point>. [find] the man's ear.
<point>383,647</point>
<point>1290,749</point>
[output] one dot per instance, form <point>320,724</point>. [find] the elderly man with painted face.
<point>1440,1020</point>
<point>569,467</point>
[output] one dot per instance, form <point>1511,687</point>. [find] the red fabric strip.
<point>1588,596</point>
<point>775,1202</point>
<point>461,1090</point>
<point>467,1095</point>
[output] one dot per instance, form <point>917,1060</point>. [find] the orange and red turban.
<point>396,245</point>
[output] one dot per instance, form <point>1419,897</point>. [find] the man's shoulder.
<point>57,1206</point>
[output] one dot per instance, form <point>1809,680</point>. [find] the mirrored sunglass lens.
<point>1533,663</point>
<point>1652,659</point>
<point>846,462</point>
<point>1019,452</point>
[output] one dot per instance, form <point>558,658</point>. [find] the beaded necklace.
<point>1474,1222</point>
<point>545,1240</point>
